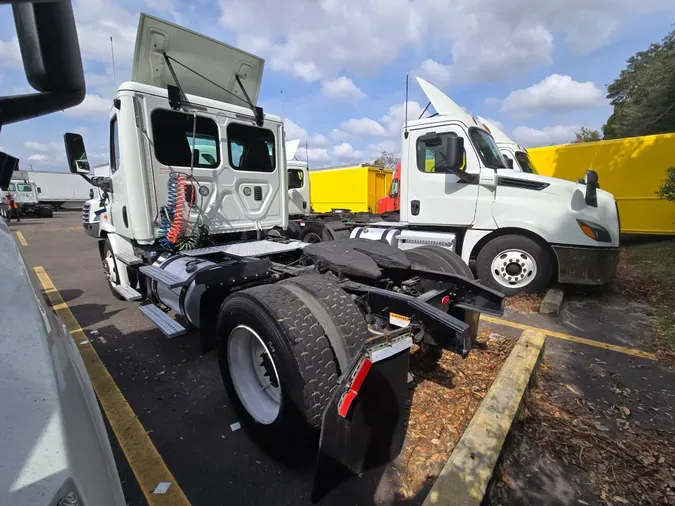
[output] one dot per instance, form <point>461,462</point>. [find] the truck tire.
<point>337,313</point>
<point>312,232</point>
<point>514,264</point>
<point>110,268</point>
<point>275,360</point>
<point>440,259</point>
<point>45,212</point>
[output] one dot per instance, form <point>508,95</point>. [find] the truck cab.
<point>518,230</point>
<point>94,208</point>
<point>217,148</point>
<point>391,202</point>
<point>516,156</point>
<point>298,183</point>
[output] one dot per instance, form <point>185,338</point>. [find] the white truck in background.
<point>94,208</point>
<point>519,231</point>
<point>516,156</point>
<point>57,188</point>
<point>26,195</point>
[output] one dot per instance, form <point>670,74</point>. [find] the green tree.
<point>667,189</point>
<point>587,135</point>
<point>643,95</point>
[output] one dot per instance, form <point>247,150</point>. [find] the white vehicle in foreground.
<point>518,230</point>
<point>309,336</point>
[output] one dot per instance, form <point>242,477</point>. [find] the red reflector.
<point>445,300</point>
<point>353,391</point>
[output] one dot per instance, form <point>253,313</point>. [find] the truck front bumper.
<point>586,266</point>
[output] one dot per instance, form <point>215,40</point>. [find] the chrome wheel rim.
<point>254,374</point>
<point>514,268</point>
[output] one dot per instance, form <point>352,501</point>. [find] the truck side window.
<point>525,163</point>
<point>295,179</point>
<point>428,157</point>
<point>251,148</point>
<point>11,188</point>
<point>393,191</point>
<point>114,146</point>
<point>172,137</point>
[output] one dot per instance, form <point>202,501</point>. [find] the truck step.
<point>127,292</point>
<point>128,259</point>
<point>169,327</point>
<point>160,275</point>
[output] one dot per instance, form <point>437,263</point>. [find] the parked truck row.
<point>195,206</point>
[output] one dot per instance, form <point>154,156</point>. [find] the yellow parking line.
<point>582,340</point>
<point>144,459</point>
<point>21,238</point>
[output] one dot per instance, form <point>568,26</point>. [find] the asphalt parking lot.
<point>177,395</point>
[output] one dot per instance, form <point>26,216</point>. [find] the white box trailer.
<point>57,188</point>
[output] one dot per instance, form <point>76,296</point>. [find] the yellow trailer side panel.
<point>354,188</point>
<point>632,169</point>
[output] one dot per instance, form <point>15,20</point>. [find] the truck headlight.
<point>594,231</point>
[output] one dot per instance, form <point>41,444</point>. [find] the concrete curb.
<point>552,302</point>
<point>466,475</point>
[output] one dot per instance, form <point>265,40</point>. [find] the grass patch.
<point>647,273</point>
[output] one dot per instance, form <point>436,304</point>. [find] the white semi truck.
<point>308,335</point>
<point>518,230</point>
<point>94,208</point>
<point>27,196</point>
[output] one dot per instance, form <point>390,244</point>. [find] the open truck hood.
<point>212,59</point>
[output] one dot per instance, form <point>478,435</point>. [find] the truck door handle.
<point>124,216</point>
<point>415,207</point>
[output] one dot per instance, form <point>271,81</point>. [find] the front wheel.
<point>515,264</point>
<point>110,269</point>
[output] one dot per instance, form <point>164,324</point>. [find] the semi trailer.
<point>311,338</point>
<point>517,230</point>
<point>57,188</point>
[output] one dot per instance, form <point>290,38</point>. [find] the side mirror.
<point>39,189</point>
<point>509,162</point>
<point>454,154</point>
<point>8,164</point>
<point>91,193</point>
<point>592,188</point>
<point>76,153</point>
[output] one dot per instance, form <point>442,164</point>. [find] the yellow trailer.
<point>356,188</point>
<point>632,169</point>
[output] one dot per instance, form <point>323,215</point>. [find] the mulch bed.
<point>448,392</point>
<point>615,457</point>
<point>525,302</point>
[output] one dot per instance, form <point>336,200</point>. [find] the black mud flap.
<point>365,422</point>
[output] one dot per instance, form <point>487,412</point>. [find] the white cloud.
<point>342,89</point>
<point>553,94</point>
<point>345,152</point>
<point>558,134</point>
<point>318,140</point>
<point>395,117</point>
<point>39,158</point>
<point>339,135</point>
<point>10,54</point>
<point>489,38</point>
<point>294,131</point>
<point>362,126</point>
<point>434,72</point>
<point>92,106</point>
<point>43,148</point>
<point>96,79</point>
<point>317,156</point>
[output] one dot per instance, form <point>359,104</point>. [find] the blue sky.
<point>540,69</point>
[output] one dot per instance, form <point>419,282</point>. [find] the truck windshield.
<point>295,179</point>
<point>487,149</point>
<point>23,187</point>
<point>525,162</point>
